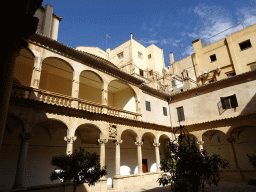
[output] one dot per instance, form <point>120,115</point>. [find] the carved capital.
<point>25,136</point>
<point>231,139</point>
<point>118,142</point>
<point>102,141</point>
<point>70,139</point>
<point>156,144</point>
<point>200,142</point>
<point>138,143</point>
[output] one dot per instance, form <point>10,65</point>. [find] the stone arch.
<point>56,71</point>
<point>122,95</point>
<point>128,150</point>
<point>88,133</point>
<point>12,123</point>
<point>24,67</point>
<point>90,86</point>
<point>148,153</point>
<point>163,148</point>
<point>210,133</point>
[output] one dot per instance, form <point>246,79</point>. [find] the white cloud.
<point>188,50</point>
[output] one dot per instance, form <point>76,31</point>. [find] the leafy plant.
<point>79,167</point>
<point>188,169</point>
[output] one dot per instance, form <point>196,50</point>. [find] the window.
<point>120,55</point>
<point>180,113</point>
<point>140,55</point>
<point>229,102</point>
<point>211,81</point>
<point>213,58</point>
<point>165,111</point>
<point>148,108</point>
<point>141,72</point>
<point>149,56</point>
<point>151,72</point>
<point>245,44</point>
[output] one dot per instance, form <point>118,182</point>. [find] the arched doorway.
<point>163,149</point>
<point>56,76</point>
<point>90,87</point>
<point>121,95</point>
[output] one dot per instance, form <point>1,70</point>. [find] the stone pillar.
<point>157,156</point>
<point>70,140</point>
<point>102,143</point>
<point>21,160</point>
<point>118,142</point>
<point>139,156</point>
<point>231,141</point>
<point>75,88</point>
<point>36,74</point>
<point>200,143</point>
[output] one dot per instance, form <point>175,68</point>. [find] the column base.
<point>117,182</point>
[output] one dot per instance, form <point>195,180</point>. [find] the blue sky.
<point>171,25</point>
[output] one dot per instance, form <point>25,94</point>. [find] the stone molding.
<point>25,136</point>
<point>156,144</point>
<point>118,142</point>
<point>102,141</point>
<point>138,143</point>
<point>70,139</point>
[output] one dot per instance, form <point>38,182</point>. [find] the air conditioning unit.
<point>173,75</point>
<point>201,73</point>
<point>207,71</point>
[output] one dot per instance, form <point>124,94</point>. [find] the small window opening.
<point>229,102</point>
<point>141,72</point>
<point>245,45</point>
<point>149,56</point>
<point>120,55</point>
<point>140,55</point>
<point>213,58</point>
<point>231,74</point>
<point>218,139</point>
<point>148,108</point>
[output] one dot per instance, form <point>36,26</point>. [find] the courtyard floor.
<point>224,186</point>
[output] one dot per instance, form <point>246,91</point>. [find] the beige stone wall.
<point>196,110</point>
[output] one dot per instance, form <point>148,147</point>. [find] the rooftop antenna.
<point>107,36</point>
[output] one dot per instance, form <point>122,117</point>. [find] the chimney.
<point>171,58</point>
<point>47,23</point>
<point>131,35</point>
<point>197,45</point>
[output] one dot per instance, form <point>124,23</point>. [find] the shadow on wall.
<point>250,107</point>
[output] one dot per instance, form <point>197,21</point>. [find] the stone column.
<point>75,88</point>
<point>21,160</point>
<point>200,143</point>
<point>118,142</point>
<point>139,156</point>
<point>231,141</point>
<point>70,140</point>
<point>36,74</point>
<point>157,156</point>
<point>104,96</point>
<point>102,143</point>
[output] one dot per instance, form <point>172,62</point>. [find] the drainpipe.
<point>169,104</point>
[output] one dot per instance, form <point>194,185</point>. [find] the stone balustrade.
<point>48,97</point>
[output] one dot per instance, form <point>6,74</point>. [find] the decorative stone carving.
<point>138,143</point>
<point>156,144</point>
<point>231,139</point>
<point>118,142</point>
<point>112,130</point>
<point>25,136</point>
<point>102,141</point>
<point>200,142</point>
<point>70,139</point>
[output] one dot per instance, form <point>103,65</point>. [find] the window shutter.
<point>148,108</point>
<point>165,111</point>
<point>234,103</point>
<point>222,99</point>
<point>180,113</point>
